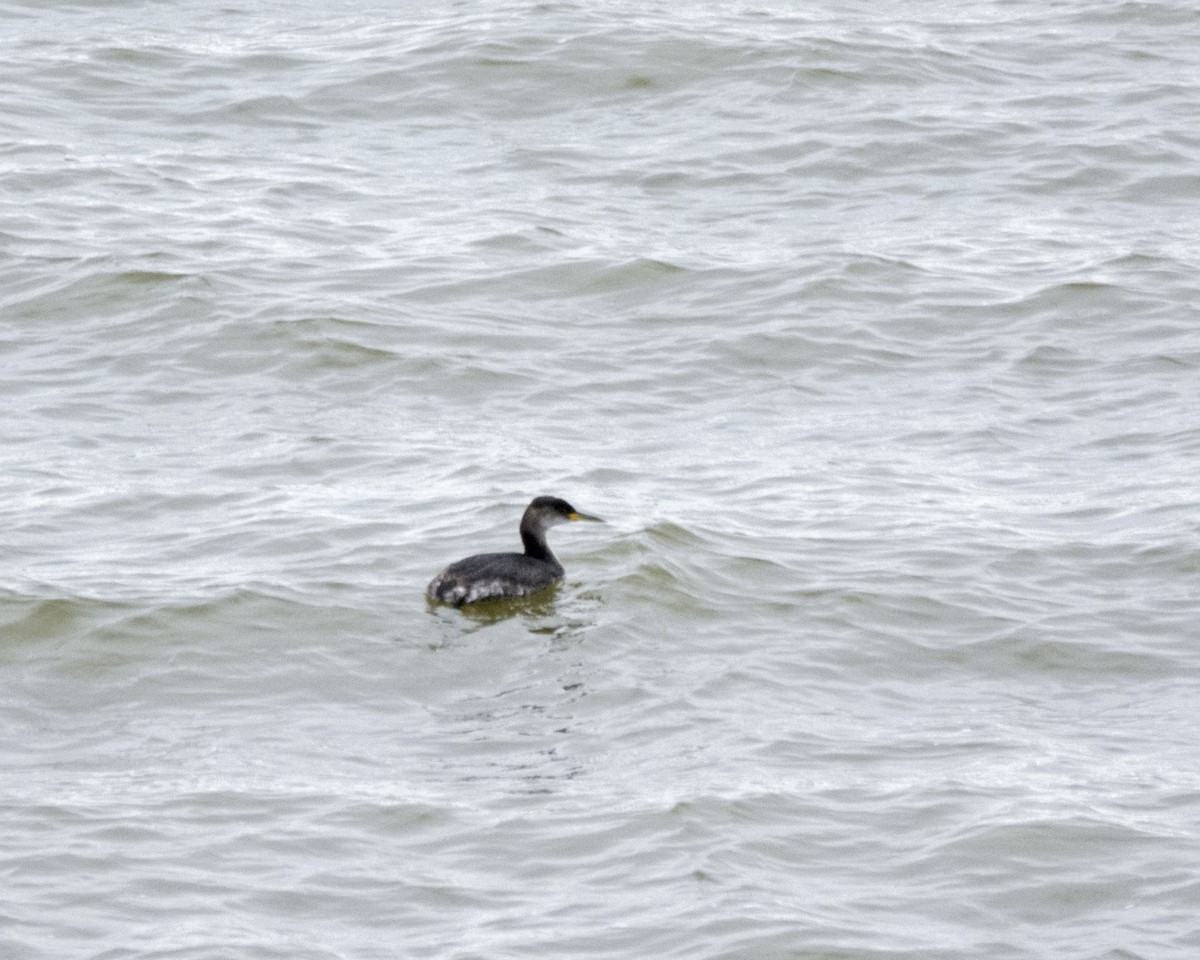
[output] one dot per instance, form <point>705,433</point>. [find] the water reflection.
<point>556,613</point>
<point>509,717</point>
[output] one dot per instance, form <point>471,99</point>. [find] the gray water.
<point>872,331</point>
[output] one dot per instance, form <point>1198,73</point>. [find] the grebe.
<point>487,576</point>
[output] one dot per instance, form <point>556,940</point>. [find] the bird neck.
<point>535,543</point>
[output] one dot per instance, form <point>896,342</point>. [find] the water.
<point>871,331</point>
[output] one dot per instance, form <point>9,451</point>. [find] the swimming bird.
<point>486,576</point>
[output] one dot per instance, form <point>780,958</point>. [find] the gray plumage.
<point>487,576</point>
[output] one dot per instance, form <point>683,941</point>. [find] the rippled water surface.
<point>872,331</point>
